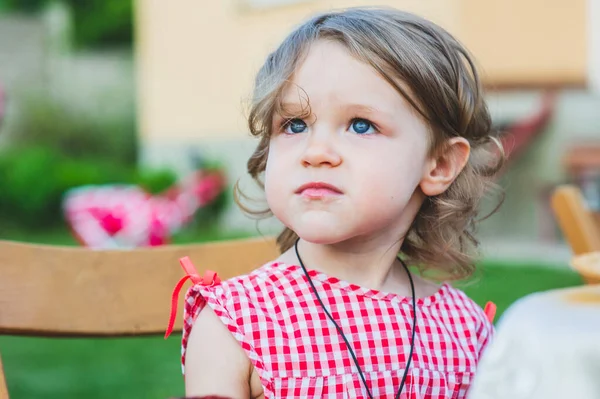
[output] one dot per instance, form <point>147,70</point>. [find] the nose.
<point>321,151</point>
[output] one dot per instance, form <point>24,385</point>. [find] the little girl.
<point>374,150</point>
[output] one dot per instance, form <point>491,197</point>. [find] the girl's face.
<point>351,168</point>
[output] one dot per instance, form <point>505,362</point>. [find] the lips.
<point>316,190</point>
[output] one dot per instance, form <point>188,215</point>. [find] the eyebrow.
<point>363,108</point>
<point>294,107</point>
<point>284,106</point>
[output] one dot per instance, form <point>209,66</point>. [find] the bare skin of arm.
<point>215,363</point>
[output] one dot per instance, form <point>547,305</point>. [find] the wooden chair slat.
<point>51,290</point>
<point>580,226</point>
<point>3,387</point>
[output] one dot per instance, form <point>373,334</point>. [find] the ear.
<point>443,168</point>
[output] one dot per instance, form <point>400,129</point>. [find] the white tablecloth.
<point>547,346</point>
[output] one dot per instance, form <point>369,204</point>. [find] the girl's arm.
<point>215,363</point>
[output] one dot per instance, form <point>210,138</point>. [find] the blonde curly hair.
<point>443,87</point>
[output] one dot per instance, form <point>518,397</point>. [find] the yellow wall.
<point>196,59</point>
<point>527,42</point>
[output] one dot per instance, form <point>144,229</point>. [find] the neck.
<point>369,264</point>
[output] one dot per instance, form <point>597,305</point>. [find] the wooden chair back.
<point>3,386</point>
<point>579,224</point>
<point>73,291</point>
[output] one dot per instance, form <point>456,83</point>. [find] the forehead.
<point>329,74</point>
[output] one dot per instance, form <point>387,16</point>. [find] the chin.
<point>321,234</point>
<point>320,239</point>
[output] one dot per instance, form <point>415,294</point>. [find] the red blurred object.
<point>490,311</point>
<point>516,137</point>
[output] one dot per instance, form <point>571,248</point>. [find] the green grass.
<point>149,367</point>
<point>92,368</point>
<point>504,283</point>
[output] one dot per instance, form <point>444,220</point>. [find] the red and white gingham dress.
<point>297,352</point>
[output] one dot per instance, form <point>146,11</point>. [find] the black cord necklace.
<point>339,329</point>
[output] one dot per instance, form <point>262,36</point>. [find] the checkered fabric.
<point>298,353</point>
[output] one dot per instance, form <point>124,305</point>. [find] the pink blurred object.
<point>126,216</point>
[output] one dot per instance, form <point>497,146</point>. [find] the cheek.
<point>391,179</point>
<point>273,180</point>
<point>386,193</point>
<point>270,178</point>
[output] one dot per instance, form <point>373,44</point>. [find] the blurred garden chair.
<point>579,224</point>
<point>581,228</point>
<point>78,292</point>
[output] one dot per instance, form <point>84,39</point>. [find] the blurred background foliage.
<point>53,148</point>
<point>53,145</point>
<point>97,23</point>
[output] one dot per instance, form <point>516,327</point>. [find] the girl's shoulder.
<point>270,271</point>
<point>462,304</point>
<point>272,275</point>
<point>240,303</point>
<point>233,298</point>
<point>465,319</point>
<point>237,303</point>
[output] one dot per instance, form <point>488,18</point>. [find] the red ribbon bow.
<point>490,311</point>
<point>210,278</point>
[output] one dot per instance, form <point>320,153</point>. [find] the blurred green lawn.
<point>149,367</point>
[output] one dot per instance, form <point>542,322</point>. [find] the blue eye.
<point>294,126</point>
<point>362,126</point>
